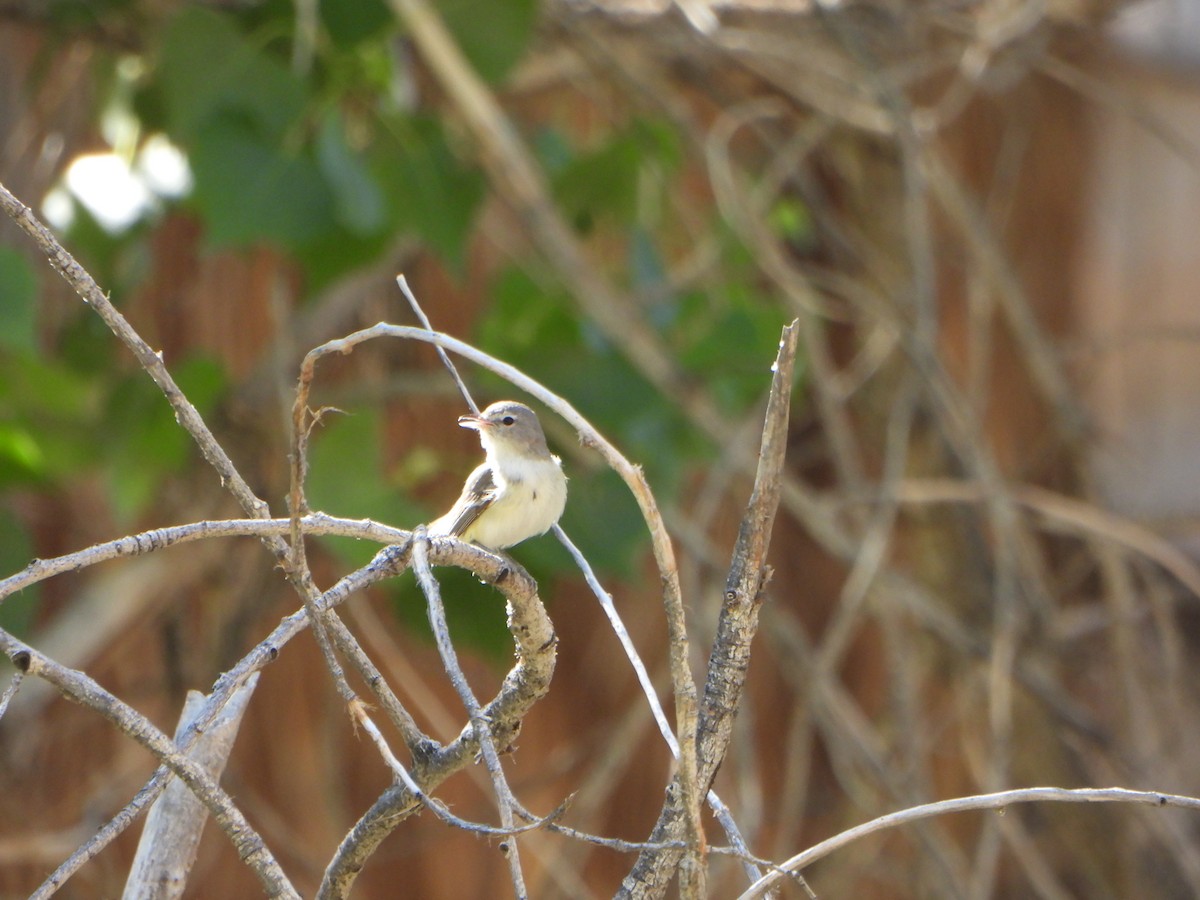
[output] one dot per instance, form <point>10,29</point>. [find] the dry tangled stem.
<point>981,595</point>
<point>490,727</point>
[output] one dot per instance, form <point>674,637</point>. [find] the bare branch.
<point>479,723</point>
<point>160,538</point>
<point>997,801</point>
<point>1066,515</point>
<point>10,692</point>
<point>736,628</point>
<point>82,689</point>
<point>525,684</point>
<point>295,560</point>
<point>387,562</point>
<point>632,475</point>
<point>171,836</point>
<point>402,283</point>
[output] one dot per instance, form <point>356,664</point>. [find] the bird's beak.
<point>475,423</point>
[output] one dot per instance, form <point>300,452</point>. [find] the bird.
<point>518,492</point>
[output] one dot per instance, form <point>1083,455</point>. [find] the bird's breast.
<point>530,498</point>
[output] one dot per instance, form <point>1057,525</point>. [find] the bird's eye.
<point>508,420</point>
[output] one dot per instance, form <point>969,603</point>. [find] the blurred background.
<point>984,216</point>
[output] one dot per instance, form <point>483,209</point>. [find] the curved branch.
<point>998,800</point>
<point>664,553</point>
<point>526,683</point>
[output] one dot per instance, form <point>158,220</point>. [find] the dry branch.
<point>525,684</point>
<point>84,690</point>
<point>516,695</point>
<point>480,725</point>
<point>730,659</point>
<point>856,520</point>
<point>169,842</point>
<point>997,801</point>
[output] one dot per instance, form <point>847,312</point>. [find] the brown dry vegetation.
<point>954,609</point>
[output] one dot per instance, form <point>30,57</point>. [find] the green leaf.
<point>536,330</point>
<point>604,182</point>
<point>145,443</point>
<point>16,549</point>
<point>346,478</point>
<point>48,419</point>
<point>792,221</point>
<point>358,199</point>
<point>604,521</point>
<point>432,193</point>
<point>22,460</point>
<point>18,295</point>
<point>528,326</point>
<point>345,465</point>
<point>599,184</point>
<point>493,35</point>
<point>346,475</point>
<point>37,387</point>
<point>337,252</point>
<point>203,381</point>
<point>350,23</point>
<point>208,68</point>
<point>729,342</point>
<point>474,613</point>
<point>85,345</point>
<point>250,189</point>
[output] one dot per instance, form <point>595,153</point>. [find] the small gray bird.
<point>518,492</point>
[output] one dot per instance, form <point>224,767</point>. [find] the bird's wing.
<point>478,494</point>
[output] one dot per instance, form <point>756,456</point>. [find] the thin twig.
<point>295,561</point>
<point>158,538</point>
<point>387,562</point>
<point>857,748</point>
<point>997,801</point>
<point>479,723</point>
<point>442,354</point>
<point>9,692</point>
<point>437,808</point>
<point>632,475</point>
<point>419,744</point>
<point>605,599</point>
<point>1065,515</point>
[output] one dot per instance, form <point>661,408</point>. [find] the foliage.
<point>327,155</point>
<point>329,165</point>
